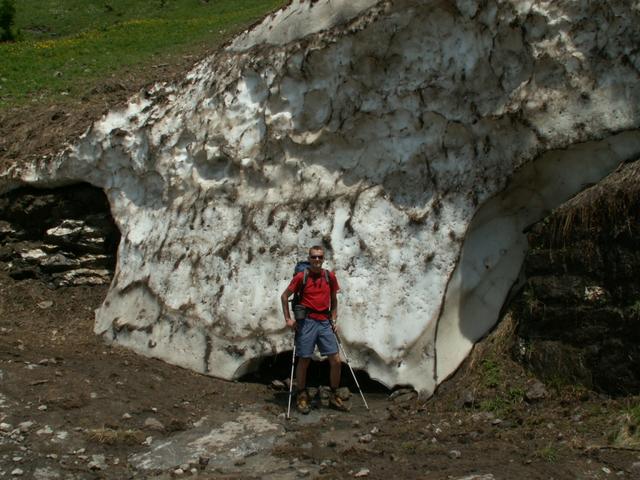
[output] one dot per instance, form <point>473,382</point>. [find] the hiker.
<point>317,327</point>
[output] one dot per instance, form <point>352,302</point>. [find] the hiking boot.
<point>337,403</point>
<point>302,402</point>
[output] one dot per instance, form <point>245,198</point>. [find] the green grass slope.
<point>65,46</point>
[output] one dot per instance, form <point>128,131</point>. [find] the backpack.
<point>299,310</point>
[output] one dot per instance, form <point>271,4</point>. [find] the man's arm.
<point>284,298</point>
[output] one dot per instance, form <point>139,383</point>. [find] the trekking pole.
<point>346,359</point>
<point>293,360</point>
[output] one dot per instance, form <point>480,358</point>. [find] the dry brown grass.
<point>612,205</point>
<point>109,436</point>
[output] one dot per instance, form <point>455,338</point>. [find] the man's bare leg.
<point>301,373</point>
<point>335,370</point>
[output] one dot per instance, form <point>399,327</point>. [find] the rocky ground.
<point>72,407</point>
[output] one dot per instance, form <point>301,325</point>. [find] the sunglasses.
<point>316,257</point>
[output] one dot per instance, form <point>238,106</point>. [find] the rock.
<point>483,417</point>
<point>126,416</point>
<point>46,473</point>
<point>45,304</point>
<point>364,472</point>
<point>467,398</point>
<point>455,454</point>
<point>33,256</point>
<point>153,424</point>
<point>82,276</point>
<point>399,392</point>
<point>98,462</point>
<point>303,472</point>
<point>344,393</point>
<point>595,294</point>
<point>635,468</point>
<point>325,395</point>
<point>367,438</point>
<point>46,430</point>
<point>5,427</point>
<point>58,263</point>
<point>17,472</point>
<point>537,391</point>
<point>487,476</point>
<point>178,471</point>
<point>25,426</point>
<point>278,385</point>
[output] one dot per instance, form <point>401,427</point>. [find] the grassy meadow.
<point>66,46</point>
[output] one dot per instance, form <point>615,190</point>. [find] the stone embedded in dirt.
<point>46,430</point>
<point>278,385</point>
<point>455,454</point>
<point>82,276</point>
<point>536,392</point>
<point>46,473</point>
<point>98,462</point>
<point>405,397</point>
<point>33,256</point>
<point>5,427</point>
<point>483,417</point>
<point>45,304</point>
<point>25,426</point>
<point>467,398</point>
<point>488,476</point>
<point>362,473</point>
<point>58,262</point>
<point>595,294</point>
<point>366,438</point>
<point>17,472</point>
<point>403,394</point>
<point>152,423</point>
<point>344,393</point>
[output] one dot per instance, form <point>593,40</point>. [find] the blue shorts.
<point>312,332</point>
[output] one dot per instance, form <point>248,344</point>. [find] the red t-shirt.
<point>317,292</point>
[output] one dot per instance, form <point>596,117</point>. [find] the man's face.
<point>316,257</point>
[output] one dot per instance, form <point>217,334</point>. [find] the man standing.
<point>317,328</point>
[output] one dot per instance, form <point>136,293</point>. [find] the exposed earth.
<point>72,407</point>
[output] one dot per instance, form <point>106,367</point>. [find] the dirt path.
<point>74,408</point>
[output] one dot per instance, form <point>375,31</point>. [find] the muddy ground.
<point>72,407</point>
